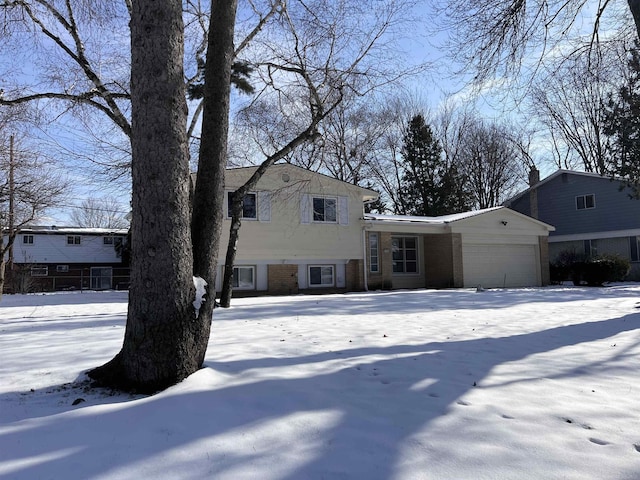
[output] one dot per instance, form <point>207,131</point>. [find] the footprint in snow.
<point>507,417</point>
<point>598,441</point>
<point>463,403</point>
<point>637,447</point>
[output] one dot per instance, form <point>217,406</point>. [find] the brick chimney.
<point>534,179</point>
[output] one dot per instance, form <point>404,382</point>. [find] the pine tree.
<point>623,124</point>
<point>429,187</point>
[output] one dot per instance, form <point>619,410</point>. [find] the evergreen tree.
<point>623,124</point>
<point>429,187</point>
<point>378,205</point>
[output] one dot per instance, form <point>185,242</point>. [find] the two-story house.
<point>304,231</point>
<point>592,214</point>
<point>51,258</point>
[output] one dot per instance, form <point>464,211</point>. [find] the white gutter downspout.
<point>364,256</point>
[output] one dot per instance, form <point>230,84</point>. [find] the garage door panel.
<point>500,265</point>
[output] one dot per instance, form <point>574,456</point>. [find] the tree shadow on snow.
<point>89,442</point>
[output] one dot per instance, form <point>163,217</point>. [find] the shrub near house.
<point>592,271</point>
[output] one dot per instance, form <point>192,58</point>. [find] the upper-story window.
<point>107,240</point>
<point>585,201</point>
<point>325,209</point>
<point>74,239</point>
<point>316,208</point>
<point>249,206</point>
<point>27,239</point>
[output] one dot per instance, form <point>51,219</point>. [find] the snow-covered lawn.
<point>453,384</point>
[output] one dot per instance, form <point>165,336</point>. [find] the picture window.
<point>405,254</point>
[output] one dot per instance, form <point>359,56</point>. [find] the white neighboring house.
<point>68,258</point>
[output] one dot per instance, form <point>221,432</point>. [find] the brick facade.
<point>283,279</point>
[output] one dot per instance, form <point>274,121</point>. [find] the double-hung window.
<point>27,239</point>
<point>321,276</point>
<point>325,209</point>
<point>405,254</point>
<point>249,206</point>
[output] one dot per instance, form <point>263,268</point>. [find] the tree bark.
<point>164,338</point>
<point>634,6</point>
<point>208,199</point>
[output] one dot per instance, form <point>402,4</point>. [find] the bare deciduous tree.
<point>28,187</point>
<point>491,162</point>
<point>107,212</point>
<point>331,50</point>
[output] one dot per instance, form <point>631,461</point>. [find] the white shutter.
<point>305,209</point>
<point>343,210</point>
<point>264,206</point>
<point>225,204</point>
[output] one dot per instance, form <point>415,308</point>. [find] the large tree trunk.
<point>634,6</point>
<point>209,191</point>
<point>164,341</point>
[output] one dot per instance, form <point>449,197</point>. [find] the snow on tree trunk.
<point>209,190</point>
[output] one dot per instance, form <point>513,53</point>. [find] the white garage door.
<point>500,265</point>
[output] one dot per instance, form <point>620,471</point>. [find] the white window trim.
<point>377,255</point>
<point>253,219</point>
<point>321,285</point>
<point>584,197</point>
<point>253,276</point>
<point>324,198</point>
<point>44,269</point>
<point>73,243</point>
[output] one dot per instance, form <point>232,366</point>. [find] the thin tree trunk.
<point>237,200</point>
<point>209,190</point>
<point>232,248</point>
<point>163,339</point>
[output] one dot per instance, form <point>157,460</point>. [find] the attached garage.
<point>500,265</point>
<point>492,248</point>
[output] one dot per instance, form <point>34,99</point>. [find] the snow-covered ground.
<point>453,384</point>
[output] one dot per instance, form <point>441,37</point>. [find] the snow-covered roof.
<point>442,220</point>
<point>53,230</point>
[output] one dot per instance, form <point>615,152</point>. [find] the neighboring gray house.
<point>592,214</point>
